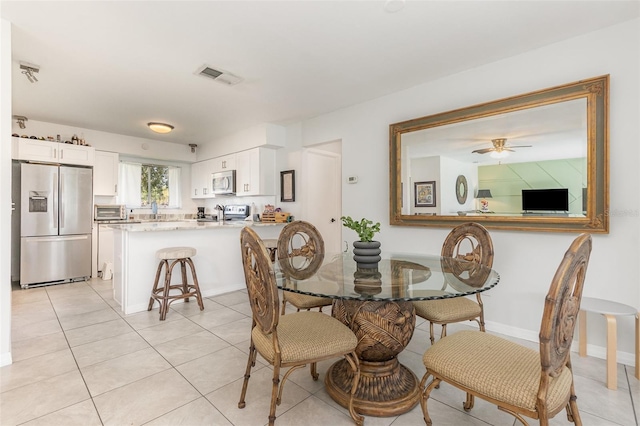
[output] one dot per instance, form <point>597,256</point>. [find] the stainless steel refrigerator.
<point>55,223</point>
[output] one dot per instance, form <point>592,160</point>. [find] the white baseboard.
<point>5,359</point>
<point>625,358</point>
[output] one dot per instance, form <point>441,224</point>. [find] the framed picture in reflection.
<point>425,194</point>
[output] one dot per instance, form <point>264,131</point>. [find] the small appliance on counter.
<point>202,217</point>
<point>109,212</point>
<point>236,212</point>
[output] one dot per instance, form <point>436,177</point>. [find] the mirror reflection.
<point>538,148</point>
<point>536,162</point>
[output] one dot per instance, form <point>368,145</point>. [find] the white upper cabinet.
<point>255,172</point>
<point>52,152</point>
<point>221,164</point>
<point>105,173</point>
<point>201,179</point>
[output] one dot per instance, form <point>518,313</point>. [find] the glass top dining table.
<point>377,304</point>
<point>408,277</point>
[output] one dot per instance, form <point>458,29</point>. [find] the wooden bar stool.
<point>610,310</point>
<point>272,247</point>
<point>162,294</point>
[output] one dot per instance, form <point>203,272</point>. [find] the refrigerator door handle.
<point>61,205</point>
<point>54,216</point>
<point>54,239</point>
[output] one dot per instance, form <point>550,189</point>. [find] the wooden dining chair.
<point>292,340</point>
<point>468,241</point>
<point>299,244</point>
<point>519,380</point>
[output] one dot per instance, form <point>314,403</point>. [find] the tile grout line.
<point>74,356</point>
<point>633,406</point>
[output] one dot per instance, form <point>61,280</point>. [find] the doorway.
<point>322,172</point>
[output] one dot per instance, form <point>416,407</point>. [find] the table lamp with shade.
<point>483,194</point>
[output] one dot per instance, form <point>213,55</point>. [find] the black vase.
<point>366,254</point>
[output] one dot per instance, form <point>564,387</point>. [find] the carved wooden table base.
<point>386,388</point>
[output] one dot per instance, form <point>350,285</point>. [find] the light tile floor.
<point>79,361</point>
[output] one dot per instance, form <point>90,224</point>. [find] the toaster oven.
<point>103,212</point>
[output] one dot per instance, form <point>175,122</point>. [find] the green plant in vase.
<point>366,251</point>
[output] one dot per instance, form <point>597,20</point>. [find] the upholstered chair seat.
<point>497,368</point>
<point>448,310</point>
<point>304,336</point>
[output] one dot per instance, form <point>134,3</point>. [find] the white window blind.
<point>130,181</point>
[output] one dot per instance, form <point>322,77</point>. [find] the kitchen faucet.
<point>220,208</point>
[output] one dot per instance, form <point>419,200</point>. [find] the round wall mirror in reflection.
<point>461,189</point>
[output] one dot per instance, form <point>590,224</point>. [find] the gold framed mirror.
<point>535,162</point>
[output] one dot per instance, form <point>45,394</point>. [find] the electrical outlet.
<point>352,179</point>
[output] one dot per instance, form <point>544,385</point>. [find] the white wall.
<point>526,260</point>
<point>5,188</point>
<point>263,135</point>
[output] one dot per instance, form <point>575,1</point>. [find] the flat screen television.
<point>535,200</point>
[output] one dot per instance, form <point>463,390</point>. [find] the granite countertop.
<point>187,225</point>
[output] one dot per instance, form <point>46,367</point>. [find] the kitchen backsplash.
<point>162,216</point>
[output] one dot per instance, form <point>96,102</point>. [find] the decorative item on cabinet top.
<point>73,140</point>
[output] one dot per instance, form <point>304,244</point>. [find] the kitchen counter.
<point>189,225</point>
<point>218,261</point>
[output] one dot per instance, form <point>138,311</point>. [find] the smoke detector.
<point>219,75</point>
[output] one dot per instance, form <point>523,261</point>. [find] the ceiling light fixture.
<point>29,70</point>
<point>20,119</point>
<point>393,6</point>
<point>160,127</point>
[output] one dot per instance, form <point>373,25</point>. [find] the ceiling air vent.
<point>219,75</point>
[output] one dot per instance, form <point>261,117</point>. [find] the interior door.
<point>323,193</point>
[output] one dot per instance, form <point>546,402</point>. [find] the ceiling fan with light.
<point>500,148</point>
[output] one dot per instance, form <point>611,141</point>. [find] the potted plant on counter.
<point>366,252</point>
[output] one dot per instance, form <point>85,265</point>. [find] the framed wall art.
<point>425,194</point>
<point>288,185</point>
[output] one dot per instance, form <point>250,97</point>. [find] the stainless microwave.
<point>223,182</point>
<point>109,212</point>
